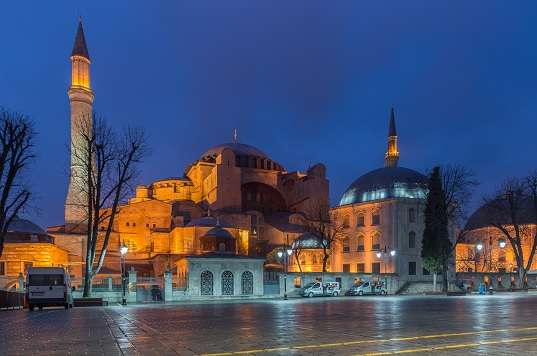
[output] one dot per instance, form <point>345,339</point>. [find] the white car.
<point>48,286</point>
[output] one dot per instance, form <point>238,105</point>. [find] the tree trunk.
<point>521,277</point>
<point>445,277</point>
<point>434,282</point>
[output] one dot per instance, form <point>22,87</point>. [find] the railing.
<point>11,300</point>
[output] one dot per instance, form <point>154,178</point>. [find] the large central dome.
<point>239,149</point>
<point>387,182</point>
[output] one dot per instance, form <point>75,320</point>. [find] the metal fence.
<point>11,299</point>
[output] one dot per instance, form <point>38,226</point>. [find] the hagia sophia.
<point>236,203</point>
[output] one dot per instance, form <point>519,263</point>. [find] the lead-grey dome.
<point>218,232</point>
<point>386,182</point>
<point>497,212</point>
<point>308,240</point>
<point>238,148</point>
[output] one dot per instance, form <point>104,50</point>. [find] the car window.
<point>46,280</point>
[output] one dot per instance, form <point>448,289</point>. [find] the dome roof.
<point>218,232</point>
<point>386,182</point>
<point>496,211</point>
<point>208,221</point>
<point>238,148</point>
<point>25,226</point>
<point>308,240</point>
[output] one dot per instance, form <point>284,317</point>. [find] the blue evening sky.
<point>304,81</point>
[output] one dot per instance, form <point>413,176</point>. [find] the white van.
<point>48,286</point>
<point>314,289</point>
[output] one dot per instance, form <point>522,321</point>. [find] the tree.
<point>108,168</point>
<point>436,245</point>
<point>16,152</point>
<point>513,212</point>
<point>327,228</point>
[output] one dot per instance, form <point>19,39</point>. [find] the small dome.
<point>25,226</point>
<point>237,148</point>
<point>496,211</point>
<point>308,240</point>
<point>386,182</point>
<point>208,221</point>
<point>218,232</point>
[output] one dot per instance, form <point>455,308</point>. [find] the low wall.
<point>497,280</point>
<point>296,280</point>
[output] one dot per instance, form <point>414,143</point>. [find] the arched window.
<point>360,220</point>
<point>206,282</point>
<point>411,239</point>
<point>222,247</point>
<point>375,242</point>
<point>247,283</point>
<point>411,215</point>
<point>314,259</point>
<point>346,221</point>
<point>227,283</point>
<point>346,247</point>
<point>361,244</point>
<point>375,218</point>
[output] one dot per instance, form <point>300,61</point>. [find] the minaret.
<point>81,100</point>
<point>392,154</point>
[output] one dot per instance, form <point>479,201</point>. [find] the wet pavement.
<point>498,324</point>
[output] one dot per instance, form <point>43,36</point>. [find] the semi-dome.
<point>308,240</point>
<point>24,226</point>
<point>386,182</point>
<point>240,149</point>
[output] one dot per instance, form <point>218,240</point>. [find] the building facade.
<point>381,216</point>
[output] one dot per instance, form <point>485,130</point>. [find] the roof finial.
<point>391,158</point>
<point>235,136</point>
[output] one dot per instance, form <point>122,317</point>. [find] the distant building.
<point>496,253</point>
<point>27,245</point>
<point>382,211</point>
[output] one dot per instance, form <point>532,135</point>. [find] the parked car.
<point>48,286</point>
<point>316,289</point>
<point>367,288</point>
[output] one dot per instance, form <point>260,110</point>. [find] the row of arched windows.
<point>227,285</point>
<point>375,218</point>
<point>375,242</point>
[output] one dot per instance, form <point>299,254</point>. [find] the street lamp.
<point>479,246</point>
<point>123,251</point>
<point>392,253</point>
<point>502,243</point>
<point>285,255</point>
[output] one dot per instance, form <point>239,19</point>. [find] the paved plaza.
<point>498,324</point>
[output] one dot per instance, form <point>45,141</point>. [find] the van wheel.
<point>335,294</point>
<point>383,292</point>
<point>310,295</point>
<point>70,305</point>
<point>31,307</point>
<point>40,307</point>
<point>361,293</point>
<point>66,305</point>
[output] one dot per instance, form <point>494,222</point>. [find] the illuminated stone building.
<point>27,245</point>
<point>380,212</point>
<point>496,253</point>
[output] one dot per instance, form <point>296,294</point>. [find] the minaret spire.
<point>81,100</point>
<point>235,136</point>
<point>392,153</point>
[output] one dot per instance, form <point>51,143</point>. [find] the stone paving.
<point>496,325</point>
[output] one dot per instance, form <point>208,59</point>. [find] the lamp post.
<point>381,254</point>
<point>285,253</point>
<point>123,251</point>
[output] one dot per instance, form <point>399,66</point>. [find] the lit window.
<point>127,223</point>
<point>360,247</point>
<point>375,242</point>
<point>346,267</point>
<point>2,268</point>
<point>346,247</point>
<point>346,221</point>
<point>360,220</point>
<point>360,267</point>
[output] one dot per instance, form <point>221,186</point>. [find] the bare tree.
<point>513,212</point>
<point>16,152</point>
<point>108,167</point>
<point>328,228</point>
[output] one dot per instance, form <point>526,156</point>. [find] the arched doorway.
<point>206,282</point>
<point>227,283</point>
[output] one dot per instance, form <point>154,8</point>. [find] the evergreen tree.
<point>436,246</point>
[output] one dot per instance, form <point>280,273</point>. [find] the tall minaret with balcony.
<point>81,100</point>
<point>392,154</point>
